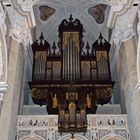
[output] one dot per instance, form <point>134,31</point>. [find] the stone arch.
<point>77,137</point>
<point>115,137</point>
<point>35,137</point>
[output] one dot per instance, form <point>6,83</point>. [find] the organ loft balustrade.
<point>71,78</point>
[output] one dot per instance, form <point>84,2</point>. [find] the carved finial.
<point>100,39</point>
<point>41,38</point>
<point>71,18</point>
<point>54,48</point>
<point>88,48</point>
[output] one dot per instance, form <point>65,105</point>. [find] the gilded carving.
<point>88,101</point>
<point>55,101</point>
<point>75,39</point>
<point>103,93</point>
<point>41,54</point>
<point>38,94</point>
<point>56,69</point>
<point>101,54</point>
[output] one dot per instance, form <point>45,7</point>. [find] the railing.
<point>100,127</point>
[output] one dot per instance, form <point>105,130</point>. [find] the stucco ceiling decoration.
<point>98,12</point>
<point>79,10</point>
<point>46,12</point>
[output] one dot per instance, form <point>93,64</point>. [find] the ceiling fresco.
<point>98,12</point>
<point>46,12</point>
<point>92,14</point>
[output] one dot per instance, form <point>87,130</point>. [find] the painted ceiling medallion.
<point>46,12</point>
<point>98,12</point>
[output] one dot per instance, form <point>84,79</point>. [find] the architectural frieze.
<point>46,127</point>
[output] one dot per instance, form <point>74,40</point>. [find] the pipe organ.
<point>71,65</point>
<point>71,79</point>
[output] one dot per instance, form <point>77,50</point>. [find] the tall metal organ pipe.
<point>71,62</point>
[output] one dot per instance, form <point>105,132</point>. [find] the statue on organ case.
<point>55,101</point>
<point>88,101</point>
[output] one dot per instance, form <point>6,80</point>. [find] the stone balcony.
<point>45,127</point>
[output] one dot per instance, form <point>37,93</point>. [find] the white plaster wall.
<point>11,100</point>
<point>127,78</point>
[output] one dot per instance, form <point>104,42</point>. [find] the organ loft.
<point>70,77</point>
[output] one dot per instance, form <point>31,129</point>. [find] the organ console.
<point>71,79</point>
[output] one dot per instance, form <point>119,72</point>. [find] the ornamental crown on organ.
<point>74,80</point>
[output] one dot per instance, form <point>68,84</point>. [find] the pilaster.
<point>132,94</point>
<point>3,57</point>
<point>138,52</point>
<point>11,101</point>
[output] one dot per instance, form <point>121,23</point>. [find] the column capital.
<point>23,35</point>
<point>123,28</point>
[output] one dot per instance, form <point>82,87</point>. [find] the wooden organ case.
<point>71,79</point>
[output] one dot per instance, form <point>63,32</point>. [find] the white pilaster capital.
<point>123,29</point>
<point>23,35</point>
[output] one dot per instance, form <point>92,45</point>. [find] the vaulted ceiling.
<point>93,15</point>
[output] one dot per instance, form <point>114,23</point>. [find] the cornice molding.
<point>27,14</point>
<point>117,11</point>
<point>122,31</point>
<point>19,28</point>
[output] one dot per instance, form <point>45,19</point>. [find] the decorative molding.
<point>23,35</point>
<point>118,10</point>
<point>123,30</point>
<point>46,127</point>
<point>25,8</point>
<point>19,28</point>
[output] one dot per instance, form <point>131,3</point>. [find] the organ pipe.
<point>70,60</point>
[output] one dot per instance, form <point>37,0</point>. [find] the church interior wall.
<point>10,107</point>
<point>17,100</point>
<point>127,78</point>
